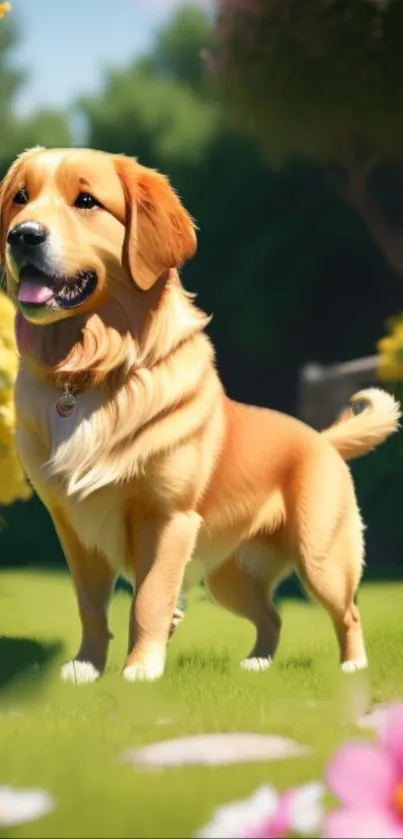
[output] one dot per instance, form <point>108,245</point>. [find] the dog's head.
<point>77,224</point>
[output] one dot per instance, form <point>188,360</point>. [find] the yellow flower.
<point>13,485</point>
<point>4,8</point>
<point>390,349</point>
<point>388,371</point>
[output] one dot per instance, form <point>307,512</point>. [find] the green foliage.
<point>11,78</point>
<point>176,53</point>
<point>307,77</point>
<point>154,118</point>
<point>161,109</point>
<point>10,82</point>
<point>47,127</point>
<point>44,128</point>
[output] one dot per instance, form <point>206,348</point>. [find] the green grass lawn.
<point>68,739</point>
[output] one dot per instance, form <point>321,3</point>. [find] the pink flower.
<point>298,810</point>
<point>266,815</point>
<point>368,780</point>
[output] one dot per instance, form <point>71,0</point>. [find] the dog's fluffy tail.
<point>371,417</point>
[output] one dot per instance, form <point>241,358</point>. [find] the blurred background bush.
<point>280,125</point>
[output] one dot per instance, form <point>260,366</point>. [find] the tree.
<point>176,53</point>
<point>45,127</point>
<point>158,109</point>
<point>322,82</point>
<point>10,82</point>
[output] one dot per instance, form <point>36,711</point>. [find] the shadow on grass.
<point>25,667</point>
<point>202,661</point>
<point>292,663</point>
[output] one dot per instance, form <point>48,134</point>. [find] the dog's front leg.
<point>164,548</point>
<point>93,580</point>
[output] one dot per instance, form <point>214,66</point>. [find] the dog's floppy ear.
<point>160,234</point>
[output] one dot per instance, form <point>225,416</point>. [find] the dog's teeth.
<point>70,292</point>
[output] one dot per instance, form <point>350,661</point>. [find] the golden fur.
<point>158,475</point>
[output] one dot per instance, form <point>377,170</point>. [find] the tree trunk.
<point>353,188</point>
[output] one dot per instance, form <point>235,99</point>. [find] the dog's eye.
<point>86,201</point>
<point>21,197</point>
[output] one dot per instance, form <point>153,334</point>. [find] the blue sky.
<point>65,44</point>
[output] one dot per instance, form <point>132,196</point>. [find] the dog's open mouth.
<point>37,289</point>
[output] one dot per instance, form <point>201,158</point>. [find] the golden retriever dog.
<point>146,467</point>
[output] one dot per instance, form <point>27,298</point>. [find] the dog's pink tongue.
<point>34,291</point>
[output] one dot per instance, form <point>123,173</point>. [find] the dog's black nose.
<point>28,234</point>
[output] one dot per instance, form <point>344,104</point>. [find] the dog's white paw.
<point>144,672</point>
<point>79,672</point>
<point>255,664</point>
<point>356,664</point>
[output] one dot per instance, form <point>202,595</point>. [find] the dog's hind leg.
<point>331,561</point>
<point>247,592</point>
<point>333,582</point>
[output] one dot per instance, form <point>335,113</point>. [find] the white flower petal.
<point>262,803</point>
<point>306,808</point>
<point>233,820</point>
<point>19,806</point>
